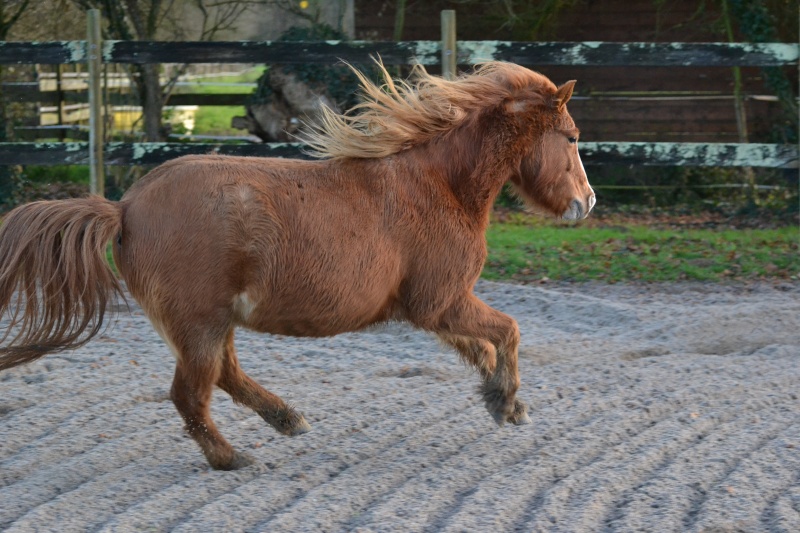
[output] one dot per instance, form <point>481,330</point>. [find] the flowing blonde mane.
<point>400,114</point>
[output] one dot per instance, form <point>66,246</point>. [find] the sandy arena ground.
<point>656,408</point>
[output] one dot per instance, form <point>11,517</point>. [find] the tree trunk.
<point>152,103</point>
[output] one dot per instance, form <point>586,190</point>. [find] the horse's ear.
<point>563,94</point>
<point>524,101</point>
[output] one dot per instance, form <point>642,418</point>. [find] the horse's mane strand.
<point>399,114</point>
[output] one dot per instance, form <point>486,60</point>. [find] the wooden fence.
<point>404,53</point>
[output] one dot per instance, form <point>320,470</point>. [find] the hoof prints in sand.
<point>653,408</point>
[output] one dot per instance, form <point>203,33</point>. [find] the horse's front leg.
<point>488,340</point>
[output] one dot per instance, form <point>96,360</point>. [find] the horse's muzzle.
<point>577,210</point>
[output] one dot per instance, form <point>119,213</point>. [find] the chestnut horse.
<point>388,225</point>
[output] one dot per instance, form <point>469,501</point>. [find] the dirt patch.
<point>669,407</point>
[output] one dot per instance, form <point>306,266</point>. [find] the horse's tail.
<point>55,281</point>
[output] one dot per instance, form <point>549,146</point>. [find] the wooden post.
<point>94,44</point>
<point>399,20</point>
<point>60,96</point>
<point>449,59</point>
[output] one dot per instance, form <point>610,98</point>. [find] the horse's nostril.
<point>592,201</point>
<point>577,208</point>
<point>576,211</point>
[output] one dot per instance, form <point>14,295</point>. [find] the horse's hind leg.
<point>488,340</point>
<point>197,371</point>
<point>245,391</point>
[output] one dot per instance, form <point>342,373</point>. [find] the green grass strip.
<point>530,252</point>
<point>216,120</point>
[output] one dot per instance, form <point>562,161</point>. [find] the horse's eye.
<point>573,140</point>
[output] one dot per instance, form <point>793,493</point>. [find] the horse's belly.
<point>320,279</point>
<point>312,314</point>
<point>311,299</point>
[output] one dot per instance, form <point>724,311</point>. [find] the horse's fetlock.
<point>499,402</point>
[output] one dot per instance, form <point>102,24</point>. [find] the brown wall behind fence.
<point>690,104</point>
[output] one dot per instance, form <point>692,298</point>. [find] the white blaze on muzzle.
<point>577,210</point>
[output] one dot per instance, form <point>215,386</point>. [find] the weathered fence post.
<point>60,96</point>
<point>449,59</point>
<point>94,44</point>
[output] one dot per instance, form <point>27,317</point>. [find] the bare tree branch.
<point>6,25</point>
<point>152,18</point>
<point>134,13</point>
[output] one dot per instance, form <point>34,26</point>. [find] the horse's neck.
<point>470,165</point>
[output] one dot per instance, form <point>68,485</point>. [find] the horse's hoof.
<point>520,415</point>
<point>238,461</point>
<point>299,427</point>
<point>287,421</point>
<point>521,420</point>
<point>292,424</point>
<point>517,415</point>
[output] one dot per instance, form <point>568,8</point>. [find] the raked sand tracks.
<point>669,407</point>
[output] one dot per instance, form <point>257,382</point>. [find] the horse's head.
<point>550,177</point>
